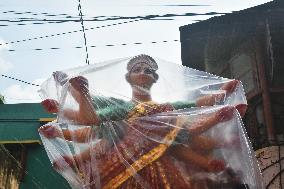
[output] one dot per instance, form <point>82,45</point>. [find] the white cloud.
<point>4,65</point>
<point>22,93</point>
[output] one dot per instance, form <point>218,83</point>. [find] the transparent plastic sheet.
<point>123,139</point>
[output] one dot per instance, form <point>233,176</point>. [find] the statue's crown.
<point>142,58</point>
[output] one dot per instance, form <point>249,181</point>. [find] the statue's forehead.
<point>142,64</point>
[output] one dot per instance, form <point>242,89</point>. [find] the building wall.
<point>39,172</point>
<point>248,45</point>
<point>27,159</point>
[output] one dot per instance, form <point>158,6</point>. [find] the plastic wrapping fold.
<point>145,123</point>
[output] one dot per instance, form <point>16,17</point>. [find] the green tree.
<point>2,99</point>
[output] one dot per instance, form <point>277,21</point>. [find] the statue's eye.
<point>148,71</point>
<point>136,70</point>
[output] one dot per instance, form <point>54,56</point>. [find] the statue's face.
<point>142,75</point>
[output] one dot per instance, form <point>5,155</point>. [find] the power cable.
<point>32,13</point>
<point>107,45</point>
<point>112,18</point>
<point>69,32</point>
<point>83,30</point>
<point>23,21</point>
<point>137,18</point>
<point>13,78</point>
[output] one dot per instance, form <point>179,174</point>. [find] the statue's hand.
<point>228,89</point>
<point>64,162</point>
<point>50,105</point>
<point>225,113</point>
<point>242,108</point>
<point>216,165</point>
<point>210,100</point>
<point>60,77</point>
<point>49,131</point>
<point>230,86</point>
<point>79,83</point>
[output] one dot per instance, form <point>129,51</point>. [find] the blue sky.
<point>35,65</point>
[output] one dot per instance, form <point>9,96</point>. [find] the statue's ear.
<point>156,76</point>
<point>127,77</point>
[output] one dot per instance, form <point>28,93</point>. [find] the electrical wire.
<point>32,13</point>
<point>135,19</point>
<point>83,30</point>
<point>122,44</point>
<point>107,45</point>
<point>69,32</point>
<point>20,80</point>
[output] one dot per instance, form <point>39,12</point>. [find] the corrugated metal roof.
<point>242,15</point>
<point>24,111</point>
<point>218,35</point>
<point>19,122</point>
